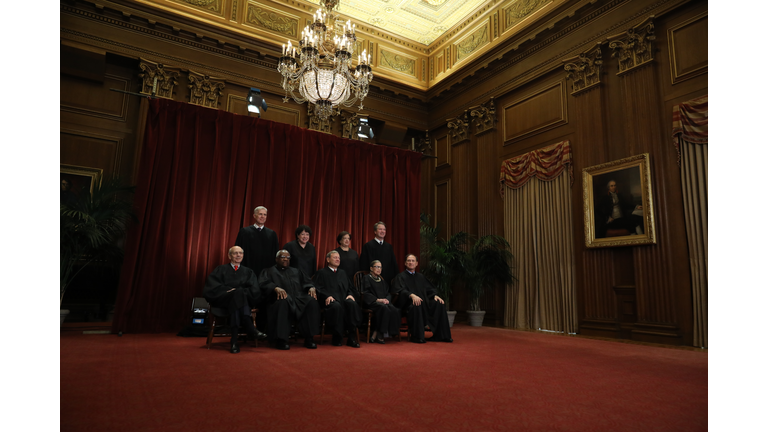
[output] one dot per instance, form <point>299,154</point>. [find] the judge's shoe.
<point>378,341</point>
<point>235,348</point>
<point>434,339</point>
<point>336,342</point>
<point>352,343</point>
<point>310,343</point>
<point>260,335</point>
<point>282,345</point>
<point>414,340</point>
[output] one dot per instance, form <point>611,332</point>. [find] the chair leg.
<point>210,332</point>
<point>322,332</point>
<point>368,335</point>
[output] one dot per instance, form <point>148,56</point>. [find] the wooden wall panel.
<point>442,151</point>
<point>277,112</point>
<point>91,150</point>
<point>688,48</point>
<point>95,98</point>
<point>489,202</point>
<point>542,110</point>
<point>442,207</point>
<point>462,190</point>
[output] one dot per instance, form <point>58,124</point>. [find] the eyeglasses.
<point>375,266</point>
<point>283,256</point>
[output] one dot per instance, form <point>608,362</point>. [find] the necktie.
<point>236,267</point>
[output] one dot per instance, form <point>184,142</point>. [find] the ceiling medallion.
<point>320,67</point>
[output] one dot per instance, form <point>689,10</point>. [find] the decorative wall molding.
<point>204,90</point>
<point>634,48</point>
<point>470,44</point>
<point>316,123</point>
<point>423,144</point>
<point>156,76</point>
<point>685,62</point>
<point>398,62</point>
<point>459,128</point>
<point>272,20</point>
<point>205,5</point>
<point>584,69</point>
<point>484,117</point>
<point>520,10</point>
<point>349,123</point>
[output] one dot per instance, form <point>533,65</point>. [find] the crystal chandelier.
<point>320,67</point>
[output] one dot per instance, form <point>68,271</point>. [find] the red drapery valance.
<point>545,164</point>
<point>690,122</point>
<point>202,171</point>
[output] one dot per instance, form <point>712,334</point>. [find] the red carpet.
<point>488,379</point>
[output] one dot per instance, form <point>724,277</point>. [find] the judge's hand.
<point>610,219</point>
<point>439,300</point>
<point>313,293</point>
<point>639,207</point>
<point>382,301</point>
<point>281,294</point>
<point>416,299</point>
<point>231,289</point>
<point>328,300</point>
<point>349,297</point>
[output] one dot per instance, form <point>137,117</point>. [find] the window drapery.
<point>545,164</point>
<point>203,171</point>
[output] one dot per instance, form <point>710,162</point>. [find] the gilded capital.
<point>157,80</point>
<point>635,47</point>
<point>204,90</point>
<point>483,117</point>
<point>459,128</point>
<point>584,69</point>
<point>349,125</point>
<point>316,123</point>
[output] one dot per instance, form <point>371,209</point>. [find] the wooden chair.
<point>221,316</point>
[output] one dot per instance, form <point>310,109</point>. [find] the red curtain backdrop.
<point>203,171</point>
<point>545,164</point>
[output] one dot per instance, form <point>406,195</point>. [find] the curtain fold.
<point>545,164</point>
<point>203,171</point>
<point>690,135</point>
<point>538,225</point>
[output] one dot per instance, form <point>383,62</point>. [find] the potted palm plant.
<point>486,263</point>
<point>91,226</point>
<point>444,260</point>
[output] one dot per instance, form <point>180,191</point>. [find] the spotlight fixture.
<point>364,129</point>
<point>256,102</point>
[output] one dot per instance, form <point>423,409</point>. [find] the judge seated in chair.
<point>342,313</point>
<point>417,298</point>
<point>235,289</point>
<point>292,297</point>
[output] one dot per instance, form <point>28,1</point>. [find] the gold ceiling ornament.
<point>435,2</point>
<point>320,68</point>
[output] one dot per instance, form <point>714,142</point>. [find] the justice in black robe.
<point>386,318</point>
<point>341,314</point>
<point>298,306</point>
<point>259,247</point>
<point>429,312</point>
<point>237,303</point>
<point>383,252</point>
<point>302,258</point>
<point>349,262</point>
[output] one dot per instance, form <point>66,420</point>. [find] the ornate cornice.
<point>349,123</point>
<point>459,128</point>
<point>584,69</point>
<point>204,90</point>
<point>483,117</point>
<point>634,48</point>
<point>315,122</point>
<point>157,80</point>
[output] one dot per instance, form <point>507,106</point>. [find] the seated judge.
<point>236,289</point>
<point>291,296</point>
<point>349,257</point>
<point>417,299</point>
<point>335,293</point>
<point>303,256</point>
<point>376,297</point>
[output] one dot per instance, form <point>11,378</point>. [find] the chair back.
<point>357,280</point>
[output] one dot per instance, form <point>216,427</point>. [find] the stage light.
<point>199,311</point>
<point>364,129</point>
<point>256,102</point>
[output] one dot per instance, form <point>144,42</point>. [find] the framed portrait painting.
<point>76,181</point>
<point>618,203</point>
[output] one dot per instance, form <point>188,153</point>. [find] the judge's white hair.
<point>281,251</point>
<point>256,210</point>
<point>328,255</point>
<point>233,248</point>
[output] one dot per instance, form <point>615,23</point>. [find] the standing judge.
<point>418,301</point>
<point>376,297</point>
<point>235,288</point>
<point>349,258</point>
<point>291,296</point>
<point>303,255</point>
<point>342,313</point>
<point>378,249</point>
<point>260,245</point>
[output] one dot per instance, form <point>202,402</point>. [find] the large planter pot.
<point>451,317</point>
<point>64,313</point>
<point>475,318</point>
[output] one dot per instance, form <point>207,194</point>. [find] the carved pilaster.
<point>584,69</point>
<point>483,117</point>
<point>635,47</point>
<point>422,145</point>
<point>316,123</point>
<point>459,128</point>
<point>349,125</point>
<point>158,77</point>
<point>204,91</point>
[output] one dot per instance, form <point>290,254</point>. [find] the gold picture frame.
<point>618,203</point>
<point>78,180</point>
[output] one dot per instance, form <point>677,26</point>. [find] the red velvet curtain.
<point>203,171</point>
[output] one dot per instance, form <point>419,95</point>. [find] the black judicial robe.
<point>302,258</point>
<point>222,279</point>
<point>298,305</point>
<point>350,262</point>
<point>382,252</point>
<point>430,312</point>
<point>386,318</point>
<point>345,313</point>
<point>259,247</point>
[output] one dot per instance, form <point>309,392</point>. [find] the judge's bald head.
<point>235,255</point>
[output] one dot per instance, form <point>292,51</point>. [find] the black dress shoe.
<point>282,345</point>
<point>309,343</point>
<point>352,343</point>
<point>235,348</point>
<point>419,341</point>
<point>260,335</point>
<point>336,342</point>
<point>434,339</point>
<point>379,341</point>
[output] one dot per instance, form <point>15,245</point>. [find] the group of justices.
<point>287,288</point>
